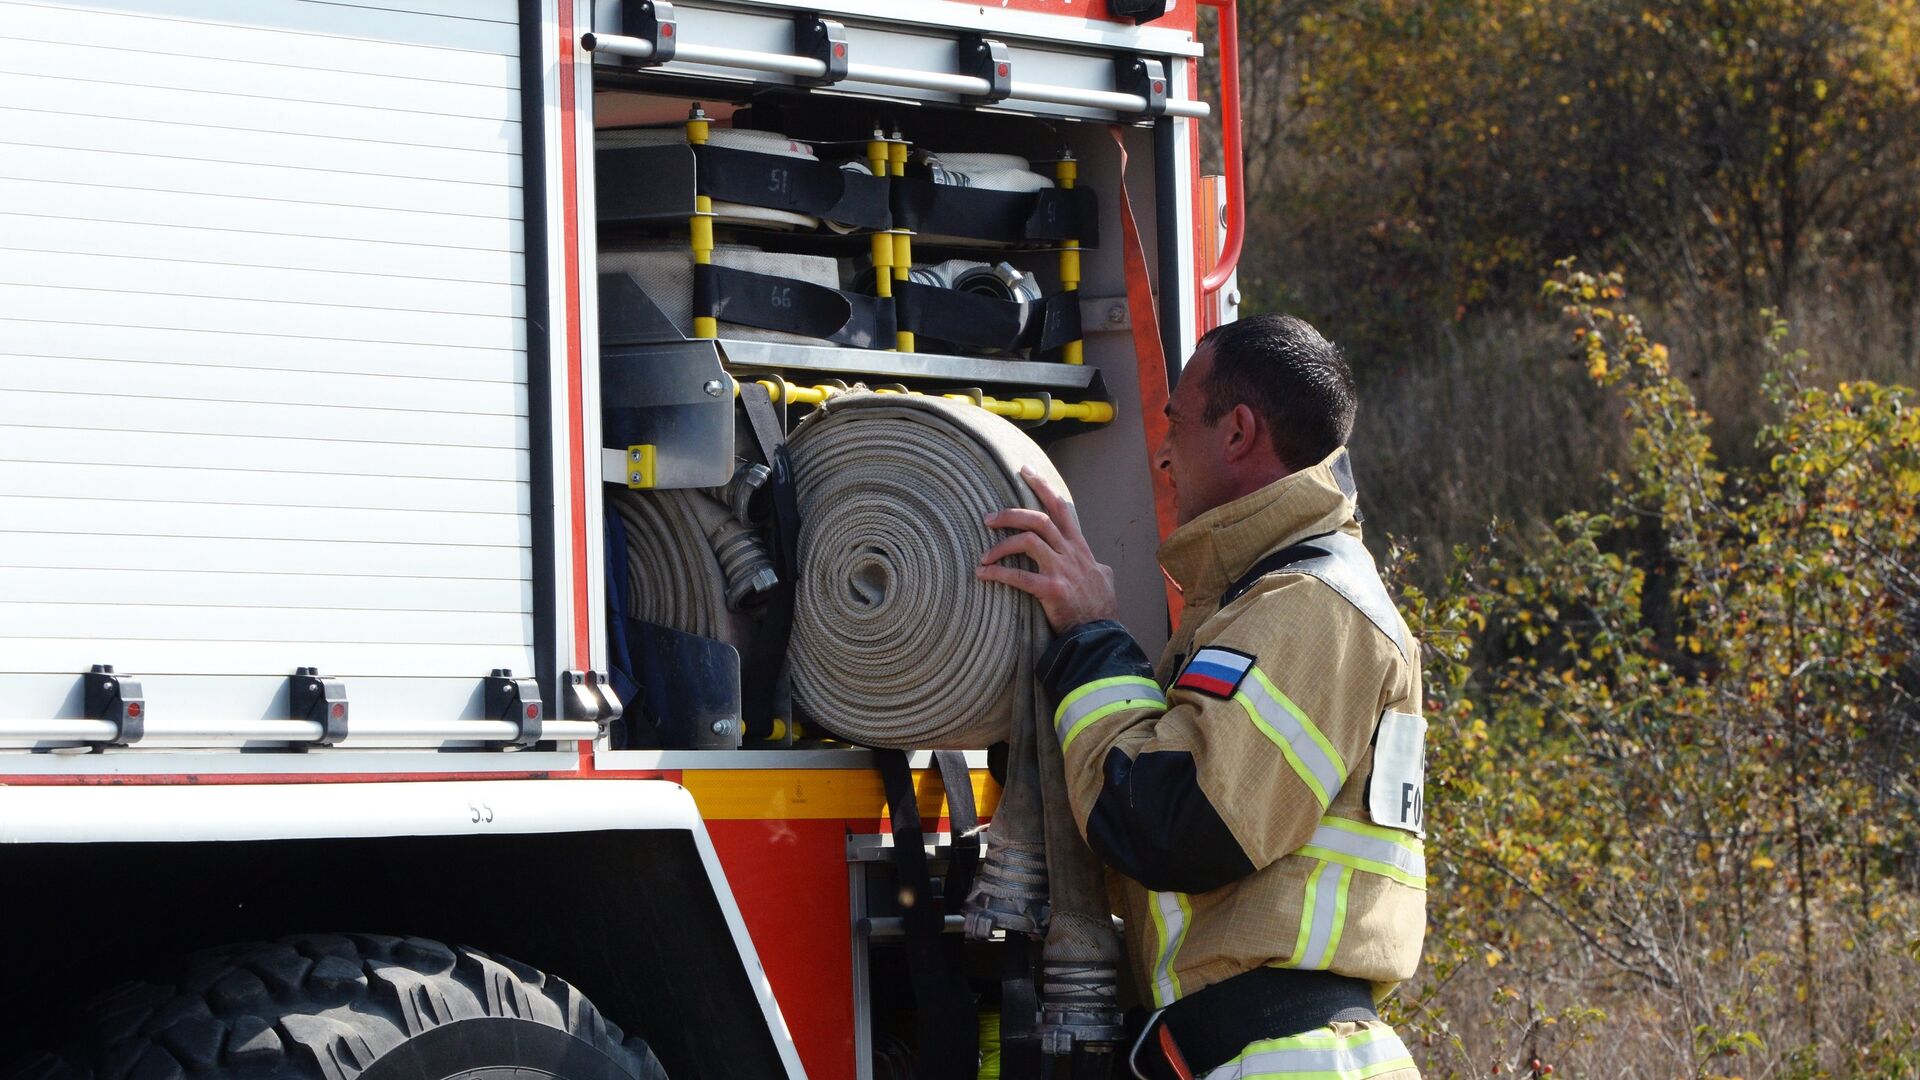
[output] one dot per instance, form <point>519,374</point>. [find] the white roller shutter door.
<point>263,345</point>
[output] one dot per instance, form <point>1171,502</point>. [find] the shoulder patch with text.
<point>1396,793</point>
<point>1214,671</point>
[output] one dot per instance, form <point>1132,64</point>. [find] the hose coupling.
<point>1010,893</point>
<point>1079,1005</point>
<point>741,494</point>
<point>745,564</point>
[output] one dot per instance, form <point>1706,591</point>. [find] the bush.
<point>1673,775</point>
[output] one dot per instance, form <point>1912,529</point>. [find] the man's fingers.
<point>1025,580</point>
<point>1059,505</point>
<point>1021,543</point>
<point>1032,521</point>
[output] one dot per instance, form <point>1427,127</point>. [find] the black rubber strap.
<point>959,318</point>
<point>949,1034</point>
<point>1213,1025</point>
<point>797,185</point>
<point>1009,217</point>
<point>969,320</point>
<point>1058,321</point>
<point>797,307</point>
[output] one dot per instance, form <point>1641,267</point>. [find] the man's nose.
<point>1163,456</point>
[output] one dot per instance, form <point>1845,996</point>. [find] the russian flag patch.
<point>1214,671</point>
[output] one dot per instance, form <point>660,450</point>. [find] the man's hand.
<point>1071,585</point>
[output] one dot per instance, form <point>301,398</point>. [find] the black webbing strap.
<point>1341,563</point>
<point>963,858</point>
<point>762,699</point>
<point>970,320</point>
<point>1008,217</point>
<point>797,185</point>
<point>949,1034</point>
<point>1020,1056</point>
<point>1284,559</point>
<point>963,817</point>
<point>1213,1025</point>
<point>797,307</point>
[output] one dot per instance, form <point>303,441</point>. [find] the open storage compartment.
<point>722,265</point>
<point>762,246</point>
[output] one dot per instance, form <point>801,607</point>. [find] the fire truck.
<point>345,347</point>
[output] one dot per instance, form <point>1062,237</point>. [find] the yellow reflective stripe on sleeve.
<point>1323,917</point>
<point>1100,698</point>
<point>1172,914</point>
<point>1387,852</point>
<point>1313,758</point>
<point>1319,1055</point>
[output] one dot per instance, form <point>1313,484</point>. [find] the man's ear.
<point>1243,432</point>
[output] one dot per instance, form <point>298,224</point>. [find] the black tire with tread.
<point>332,1007</point>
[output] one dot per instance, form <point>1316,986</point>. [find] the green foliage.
<point>1675,789</point>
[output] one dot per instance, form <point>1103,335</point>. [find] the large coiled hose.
<point>896,643</point>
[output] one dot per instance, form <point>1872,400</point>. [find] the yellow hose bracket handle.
<point>640,466</point>
<point>883,265</point>
<point>1065,173</point>
<point>700,237</point>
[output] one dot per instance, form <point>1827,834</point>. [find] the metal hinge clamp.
<point>824,40</point>
<point>1144,78</point>
<point>321,701</point>
<point>592,697</point>
<point>516,701</point>
<point>651,21</point>
<point>117,700</point>
<point>985,58</point>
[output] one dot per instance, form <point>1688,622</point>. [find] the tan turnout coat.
<point>1288,760</point>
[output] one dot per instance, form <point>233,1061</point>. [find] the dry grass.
<point>1489,1021</point>
<point>1494,418</point>
<point>1496,422</point>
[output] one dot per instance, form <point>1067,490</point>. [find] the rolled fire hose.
<point>896,643</point>
<point>691,565</point>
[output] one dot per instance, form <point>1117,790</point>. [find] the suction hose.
<point>896,643</point>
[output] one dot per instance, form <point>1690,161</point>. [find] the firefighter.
<point>1259,790</point>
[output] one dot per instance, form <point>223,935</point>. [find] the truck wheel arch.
<point>611,886</point>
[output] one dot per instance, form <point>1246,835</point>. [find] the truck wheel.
<point>349,1007</point>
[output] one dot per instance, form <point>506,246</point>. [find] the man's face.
<point>1194,453</point>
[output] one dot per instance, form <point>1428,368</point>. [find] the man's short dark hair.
<point>1294,380</point>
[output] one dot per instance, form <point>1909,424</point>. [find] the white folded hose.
<point>992,172</point>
